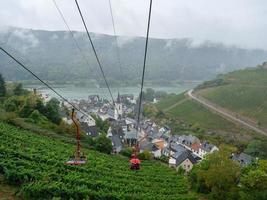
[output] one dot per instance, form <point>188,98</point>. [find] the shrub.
<point>145,155</point>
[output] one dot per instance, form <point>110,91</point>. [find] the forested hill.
<point>54,56</point>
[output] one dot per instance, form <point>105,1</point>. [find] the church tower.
<point>118,111</point>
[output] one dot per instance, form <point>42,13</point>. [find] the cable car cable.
<point>97,58</point>
<point>72,35</point>
<point>144,68</point>
<point>116,39</point>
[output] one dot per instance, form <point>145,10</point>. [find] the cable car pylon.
<point>78,157</point>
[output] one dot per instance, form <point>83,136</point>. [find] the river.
<point>73,92</point>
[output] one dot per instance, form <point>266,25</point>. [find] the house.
<point>165,130</point>
<point>206,148</point>
<point>174,148</point>
<point>91,131</point>
<point>243,159</point>
<point>93,99</point>
<point>149,146</point>
<point>152,135</point>
<point>122,124</point>
<point>182,159</point>
<point>196,148</point>
<point>165,151</point>
<point>160,143</point>
<point>82,118</point>
<point>106,113</point>
<point>188,140</point>
<point>131,123</point>
<point>127,98</point>
<point>116,143</point>
<point>130,137</point>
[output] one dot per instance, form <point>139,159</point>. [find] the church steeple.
<point>119,98</point>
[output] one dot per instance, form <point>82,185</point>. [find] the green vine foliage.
<point>37,164</point>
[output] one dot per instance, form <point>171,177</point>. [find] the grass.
<point>169,101</point>
<point>246,94</point>
<point>202,122</point>
<point>195,113</point>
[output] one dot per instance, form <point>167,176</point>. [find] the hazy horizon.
<point>238,23</point>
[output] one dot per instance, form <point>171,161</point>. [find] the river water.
<point>73,92</point>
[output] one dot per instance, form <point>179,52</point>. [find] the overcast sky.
<point>236,22</point>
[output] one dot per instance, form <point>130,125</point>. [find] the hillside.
<point>179,107</point>
<point>242,91</point>
<point>54,56</point>
<point>36,164</point>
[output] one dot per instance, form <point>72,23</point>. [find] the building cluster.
<point>180,151</point>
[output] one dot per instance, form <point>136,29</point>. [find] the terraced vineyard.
<point>36,164</point>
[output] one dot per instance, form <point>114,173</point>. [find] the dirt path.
<point>174,105</point>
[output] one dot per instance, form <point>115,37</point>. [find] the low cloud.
<point>123,40</point>
<point>29,40</point>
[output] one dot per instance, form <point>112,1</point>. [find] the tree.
<point>217,175</point>
<point>254,181</point>
<point>2,86</point>
<point>37,117</point>
<point>127,152</point>
<point>103,144</point>
<point>64,128</point>
<point>101,125</point>
<point>145,155</point>
<point>256,148</point>
<point>18,89</point>
<point>149,95</point>
<point>40,106</point>
<point>52,111</point>
<point>28,107</point>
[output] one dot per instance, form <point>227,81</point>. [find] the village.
<point>179,150</point>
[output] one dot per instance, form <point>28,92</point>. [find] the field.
<point>245,94</point>
<point>36,164</point>
<point>214,128</point>
<point>169,101</point>
<point>195,113</point>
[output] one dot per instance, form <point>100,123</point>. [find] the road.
<point>225,114</point>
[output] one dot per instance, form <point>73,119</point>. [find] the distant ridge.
<point>53,55</point>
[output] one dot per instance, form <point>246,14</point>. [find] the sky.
<point>233,22</point>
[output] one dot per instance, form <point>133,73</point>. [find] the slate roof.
<point>130,135</point>
<point>188,139</point>
<point>182,156</point>
<point>148,146</point>
<point>176,147</point>
<point>243,159</point>
<point>110,112</point>
<point>91,130</point>
<point>130,121</point>
<point>116,141</point>
<point>206,146</point>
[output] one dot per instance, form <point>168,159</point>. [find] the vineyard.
<point>36,164</point>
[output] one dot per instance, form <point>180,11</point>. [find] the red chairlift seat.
<point>135,163</point>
